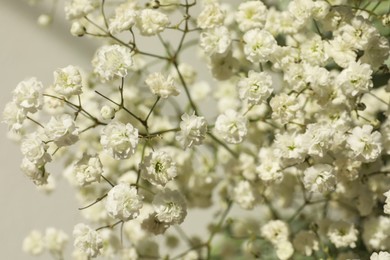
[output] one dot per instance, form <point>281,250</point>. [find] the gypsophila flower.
<point>162,86</point>
<point>284,250</point>
<point>231,126</point>
<point>112,60</point>
<point>78,8</point>
<point>170,206</point>
<point>151,22</point>
<point>123,202</point>
<point>211,16</point>
<point>33,243</point>
<point>87,240</point>
<point>88,169</point>
<point>28,95</point>
<point>36,173</point>
<point>193,130</point>
<point>355,79</point>
<point>275,231</point>
<point>107,112</point>
<point>158,168</point>
<point>244,195</point>
<point>284,107</point>
<point>306,242</point>
<point>382,255</point>
<point>77,29</point>
<point>67,81</point>
<point>216,40</point>
<point>259,45</point>
<point>124,19</point>
<point>62,130</point>
<point>34,149</point>
<point>13,116</point>
<point>343,234</point>
<point>255,88</point>
<point>319,178</point>
<point>365,144</point>
<point>119,140</point>
<point>251,14</point>
<point>55,241</point>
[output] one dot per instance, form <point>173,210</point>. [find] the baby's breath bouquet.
<point>277,110</point>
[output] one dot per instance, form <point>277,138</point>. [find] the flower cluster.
<point>276,107</point>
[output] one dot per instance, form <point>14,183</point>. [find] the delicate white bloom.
<point>320,9</point>
<point>62,130</point>
<point>284,107</point>
<point>211,16</point>
<point>112,60</point>
<point>28,95</point>
<point>382,255</point>
<point>193,130</point>
<point>124,19</point>
<point>386,208</point>
<point>77,29</point>
<point>33,243</point>
<point>231,126</point>
<point>269,171</point>
<point>319,178</point>
<point>365,144</point>
<point>87,240</point>
<point>151,22</point>
<point>123,202</point>
<point>313,51</point>
<point>355,79</point>
<point>343,234</point>
<point>255,88</point>
<point>13,116</point>
<point>107,112</point>
<point>119,140</point>
<point>289,147</point>
<point>34,149</point>
<point>170,206</point>
<point>318,138</point>
<point>251,14</point>
<point>36,173</point>
<point>275,231</point>
<point>301,9</point>
<point>341,51</point>
<point>78,8</point>
<point>357,33</point>
<point>376,51</point>
<point>306,242</point>
<point>55,241</point>
<point>216,40</point>
<point>88,169</point>
<point>162,86</point>
<point>67,81</point>
<point>259,45</point>
<point>158,168</point>
<point>244,195</point>
<point>284,250</point>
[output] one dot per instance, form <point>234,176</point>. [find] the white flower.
<point>244,195</point>
<point>215,40</point>
<point>355,79</point>
<point>158,168</point>
<point>88,169</point>
<point>34,243</point>
<point>13,116</point>
<point>210,16</point>
<point>306,242</point>
<point>67,81</point>
<point>231,126</point>
<point>382,255</point>
<point>284,107</point>
<point>87,240</point>
<point>284,250</point>
<point>341,51</point>
<point>275,231</point>
<point>365,145</point>
<point>386,208</point>
<point>170,206</point>
<point>289,147</point>
<point>151,22</point>
<point>319,178</point>
<point>124,19</point>
<point>192,130</point>
<point>259,45</point>
<point>34,149</point>
<point>77,29</point>
<point>78,8</point>
<point>112,60</point>
<point>28,95</point>
<point>36,173</point>
<point>123,202</point>
<point>343,234</point>
<point>107,112</point>
<point>55,241</point>
<point>62,130</point>
<point>318,138</point>
<point>119,140</point>
<point>251,14</point>
<point>162,86</point>
<point>255,88</point>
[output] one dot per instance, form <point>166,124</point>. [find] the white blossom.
<point>382,255</point>
<point>55,241</point>
<point>88,169</point>
<point>231,126</point>
<point>62,130</point>
<point>151,22</point>
<point>162,86</point>
<point>112,60</point>
<point>355,79</point>
<point>211,16</point>
<point>365,144</point>
<point>78,8</point>
<point>319,178</point>
<point>37,173</point>
<point>87,240</point>
<point>119,140</point>
<point>192,130</point>
<point>250,15</point>
<point>124,19</point>
<point>170,206</point>
<point>259,45</point>
<point>343,234</point>
<point>28,95</point>
<point>255,88</point>
<point>275,231</point>
<point>13,116</point>
<point>216,40</point>
<point>35,150</point>
<point>67,81</point>
<point>34,243</point>
<point>244,195</point>
<point>158,168</point>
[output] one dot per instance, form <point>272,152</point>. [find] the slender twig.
<point>93,203</point>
